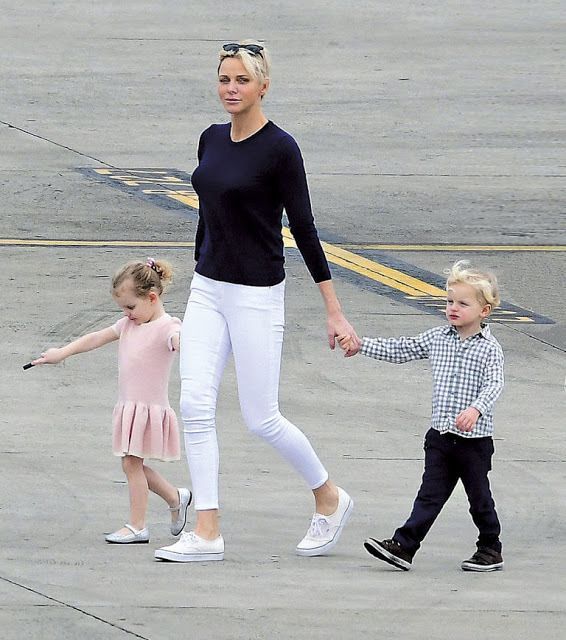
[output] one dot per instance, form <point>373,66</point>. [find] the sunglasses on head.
<point>234,47</point>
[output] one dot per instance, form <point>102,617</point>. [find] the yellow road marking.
<point>409,285</point>
<point>191,201</point>
<point>455,247</point>
<point>381,273</point>
<point>92,243</point>
<point>106,243</point>
<point>369,268</point>
<point>112,172</point>
<point>342,255</point>
<point>289,242</point>
<point>374,270</point>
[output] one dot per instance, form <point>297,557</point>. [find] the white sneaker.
<point>324,531</point>
<point>192,548</point>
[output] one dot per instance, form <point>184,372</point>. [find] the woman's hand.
<point>348,344</point>
<point>339,328</point>
<point>336,323</point>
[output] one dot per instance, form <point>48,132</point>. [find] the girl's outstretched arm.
<point>87,342</point>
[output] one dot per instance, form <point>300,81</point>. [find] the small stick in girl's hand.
<point>29,365</point>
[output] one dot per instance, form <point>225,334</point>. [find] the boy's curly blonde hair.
<point>484,282</point>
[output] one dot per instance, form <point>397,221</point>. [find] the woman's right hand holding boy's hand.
<point>51,356</point>
<point>349,344</point>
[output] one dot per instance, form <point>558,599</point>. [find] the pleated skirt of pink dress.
<point>145,431</point>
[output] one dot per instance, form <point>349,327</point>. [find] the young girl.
<point>144,424</point>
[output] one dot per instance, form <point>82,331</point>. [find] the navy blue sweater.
<point>243,188</point>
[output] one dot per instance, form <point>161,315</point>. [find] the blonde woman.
<point>249,171</point>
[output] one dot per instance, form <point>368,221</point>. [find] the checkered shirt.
<point>466,373</point>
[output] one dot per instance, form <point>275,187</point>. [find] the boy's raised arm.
<point>398,350</point>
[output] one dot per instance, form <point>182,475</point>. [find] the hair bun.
<point>150,262</point>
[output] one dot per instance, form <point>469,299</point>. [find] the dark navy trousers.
<point>449,458</point>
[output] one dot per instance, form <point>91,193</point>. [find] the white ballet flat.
<point>185,499</point>
<point>136,536</point>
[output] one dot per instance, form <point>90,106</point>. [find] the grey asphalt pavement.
<point>438,123</point>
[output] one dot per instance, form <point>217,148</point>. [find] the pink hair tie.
<point>150,262</point>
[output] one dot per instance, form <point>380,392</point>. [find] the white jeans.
<point>248,321</point>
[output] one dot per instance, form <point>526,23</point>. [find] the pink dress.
<point>144,424</point>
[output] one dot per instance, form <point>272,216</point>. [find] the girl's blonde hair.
<point>148,276</point>
<point>484,282</point>
<point>258,66</point>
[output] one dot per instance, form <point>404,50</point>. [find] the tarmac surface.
<point>421,124</point>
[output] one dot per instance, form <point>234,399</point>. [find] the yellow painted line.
<point>161,182</point>
<point>454,247</point>
<point>337,255</point>
<point>381,273</point>
<point>289,242</point>
<point>18,242</point>
<point>368,268</point>
<point>375,270</point>
<point>137,178</point>
<point>191,201</point>
<point>92,243</point>
<point>112,172</point>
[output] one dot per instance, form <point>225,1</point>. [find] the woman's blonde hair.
<point>484,282</point>
<point>258,65</point>
<point>148,276</point>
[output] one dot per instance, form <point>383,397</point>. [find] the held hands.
<point>349,344</point>
<point>51,356</point>
<point>338,327</point>
<point>466,420</point>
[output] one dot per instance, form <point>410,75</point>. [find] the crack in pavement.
<point>70,606</point>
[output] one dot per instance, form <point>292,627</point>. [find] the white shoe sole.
<point>480,568</point>
<point>141,537</point>
<point>377,551</point>
<point>328,546</point>
<point>171,556</point>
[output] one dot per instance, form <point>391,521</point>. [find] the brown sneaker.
<point>484,559</point>
<point>390,551</point>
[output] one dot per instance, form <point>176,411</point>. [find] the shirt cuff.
<point>365,348</point>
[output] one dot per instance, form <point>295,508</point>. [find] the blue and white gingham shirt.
<point>466,373</point>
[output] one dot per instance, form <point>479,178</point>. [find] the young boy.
<point>467,369</point>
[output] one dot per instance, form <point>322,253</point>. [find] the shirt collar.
<point>484,332</point>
